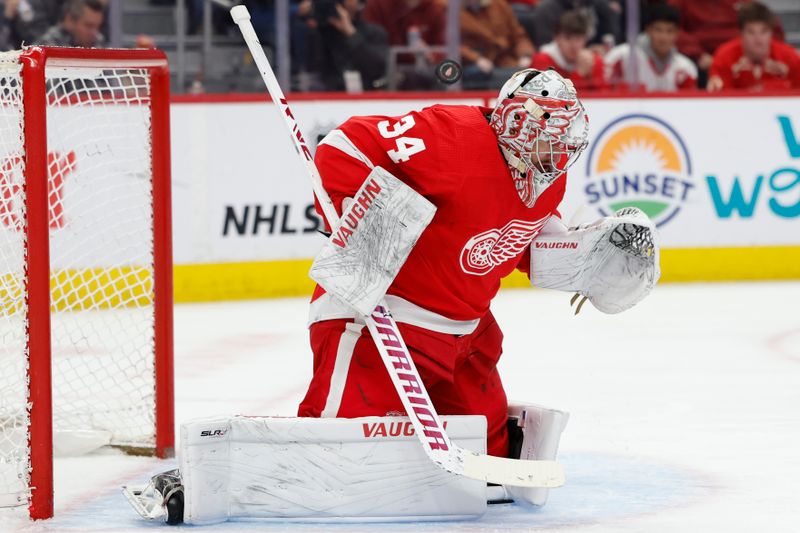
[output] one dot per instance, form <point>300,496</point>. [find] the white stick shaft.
<point>429,428</point>
<point>242,18</point>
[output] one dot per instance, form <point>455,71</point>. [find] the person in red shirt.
<point>568,55</point>
<point>704,26</point>
<point>418,24</point>
<point>755,60</point>
<point>425,18</point>
<point>496,177</point>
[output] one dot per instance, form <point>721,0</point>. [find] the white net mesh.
<point>101,260</point>
<point>101,252</point>
<point>13,363</point>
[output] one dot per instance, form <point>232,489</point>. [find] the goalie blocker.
<point>377,231</point>
<point>359,469</point>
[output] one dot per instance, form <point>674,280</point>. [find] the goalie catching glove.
<point>614,262</point>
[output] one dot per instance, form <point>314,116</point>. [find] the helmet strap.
<point>512,160</point>
<point>534,109</point>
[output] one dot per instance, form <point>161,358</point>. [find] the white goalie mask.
<point>541,128</point>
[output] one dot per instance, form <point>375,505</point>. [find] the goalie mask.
<point>541,128</point>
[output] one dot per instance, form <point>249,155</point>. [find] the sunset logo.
<point>639,161</point>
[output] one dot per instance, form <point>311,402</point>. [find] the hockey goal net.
<point>85,261</point>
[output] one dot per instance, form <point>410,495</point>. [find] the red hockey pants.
<point>460,373</point>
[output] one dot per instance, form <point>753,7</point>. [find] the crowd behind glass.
<point>339,45</point>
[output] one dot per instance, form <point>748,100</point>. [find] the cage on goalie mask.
<point>541,128</point>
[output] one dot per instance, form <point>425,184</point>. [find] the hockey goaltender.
<point>434,208</point>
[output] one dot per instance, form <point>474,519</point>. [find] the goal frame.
<point>34,61</point>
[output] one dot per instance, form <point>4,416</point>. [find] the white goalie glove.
<point>614,262</point>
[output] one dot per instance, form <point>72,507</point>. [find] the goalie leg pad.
<point>360,469</point>
<point>539,432</point>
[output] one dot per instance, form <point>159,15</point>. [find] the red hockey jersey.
<point>481,230</point>
<point>736,72</point>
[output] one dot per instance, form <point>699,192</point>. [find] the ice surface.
<point>685,411</point>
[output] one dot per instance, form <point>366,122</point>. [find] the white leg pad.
<point>362,469</point>
<point>541,433</point>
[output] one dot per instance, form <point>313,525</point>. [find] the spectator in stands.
<point>80,25</point>
<point>425,20</point>
<point>604,20</point>
<point>659,65</point>
<point>755,60</point>
<point>346,45</point>
<point>569,56</point>
<point>525,11</point>
<point>493,44</point>
<point>418,24</point>
<point>705,25</point>
<point>26,20</point>
<point>5,33</point>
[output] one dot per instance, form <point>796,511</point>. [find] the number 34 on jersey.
<point>405,146</point>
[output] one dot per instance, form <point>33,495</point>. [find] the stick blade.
<point>513,472</point>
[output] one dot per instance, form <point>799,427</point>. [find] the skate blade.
<point>146,503</point>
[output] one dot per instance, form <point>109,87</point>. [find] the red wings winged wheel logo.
<point>494,247</point>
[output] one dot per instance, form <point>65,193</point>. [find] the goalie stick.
<point>389,342</point>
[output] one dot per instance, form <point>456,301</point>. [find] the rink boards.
<point>719,175</point>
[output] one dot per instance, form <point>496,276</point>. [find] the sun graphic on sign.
<point>637,150</point>
<point>639,147</point>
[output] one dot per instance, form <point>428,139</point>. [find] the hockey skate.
<point>161,499</point>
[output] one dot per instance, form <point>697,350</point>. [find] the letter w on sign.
<point>372,242</point>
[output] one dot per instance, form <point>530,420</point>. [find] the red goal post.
<point>85,259</point>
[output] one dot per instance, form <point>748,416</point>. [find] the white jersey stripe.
<point>344,354</point>
<point>337,139</point>
<point>406,312</point>
<point>327,307</point>
<point>676,70</point>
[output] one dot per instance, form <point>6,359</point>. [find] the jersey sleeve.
<point>342,175</point>
<point>721,66</point>
<point>418,148</point>
<point>524,264</point>
<point>346,157</point>
<point>793,62</point>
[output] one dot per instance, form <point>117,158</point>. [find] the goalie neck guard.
<point>541,128</point>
